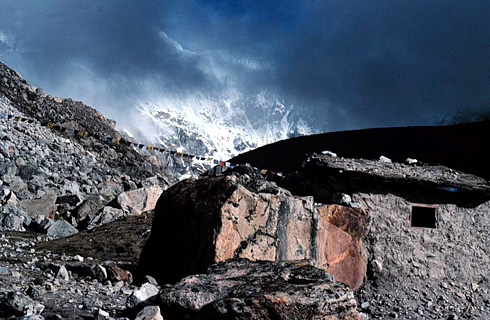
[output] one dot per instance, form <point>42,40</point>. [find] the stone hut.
<point>426,222</point>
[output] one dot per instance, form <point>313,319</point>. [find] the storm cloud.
<point>349,64</point>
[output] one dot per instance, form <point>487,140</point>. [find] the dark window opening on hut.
<point>423,216</point>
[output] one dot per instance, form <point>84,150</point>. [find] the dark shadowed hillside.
<point>464,147</point>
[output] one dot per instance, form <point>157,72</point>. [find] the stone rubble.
<point>53,286</point>
<point>54,184</point>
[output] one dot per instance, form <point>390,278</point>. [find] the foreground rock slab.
<point>245,289</point>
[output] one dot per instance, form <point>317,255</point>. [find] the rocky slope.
<point>61,183</point>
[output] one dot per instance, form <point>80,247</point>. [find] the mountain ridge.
<point>464,147</point>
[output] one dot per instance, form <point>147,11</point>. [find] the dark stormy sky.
<point>350,64</point>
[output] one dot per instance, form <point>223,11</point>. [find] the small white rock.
<point>329,153</point>
<point>78,258</point>
<point>410,161</point>
<point>384,159</point>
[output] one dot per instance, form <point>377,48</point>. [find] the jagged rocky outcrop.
<point>244,289</point>
<point>239,216</point>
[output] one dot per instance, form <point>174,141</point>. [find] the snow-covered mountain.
<point>216,126</point>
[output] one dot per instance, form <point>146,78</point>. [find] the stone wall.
<point>457,249</point>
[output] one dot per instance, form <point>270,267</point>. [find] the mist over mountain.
<point>217,126</point>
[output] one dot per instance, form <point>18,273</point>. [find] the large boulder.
<point>135,202</point>
<point>45,206</point>
<point>244,289</point>
<point>200,222</point>
<point>58,228</point>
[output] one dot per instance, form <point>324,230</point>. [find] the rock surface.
<point>236,216</point>
<point>244,289</point>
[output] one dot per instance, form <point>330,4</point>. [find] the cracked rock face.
<point>212,219</point>
<point>244,289</point>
